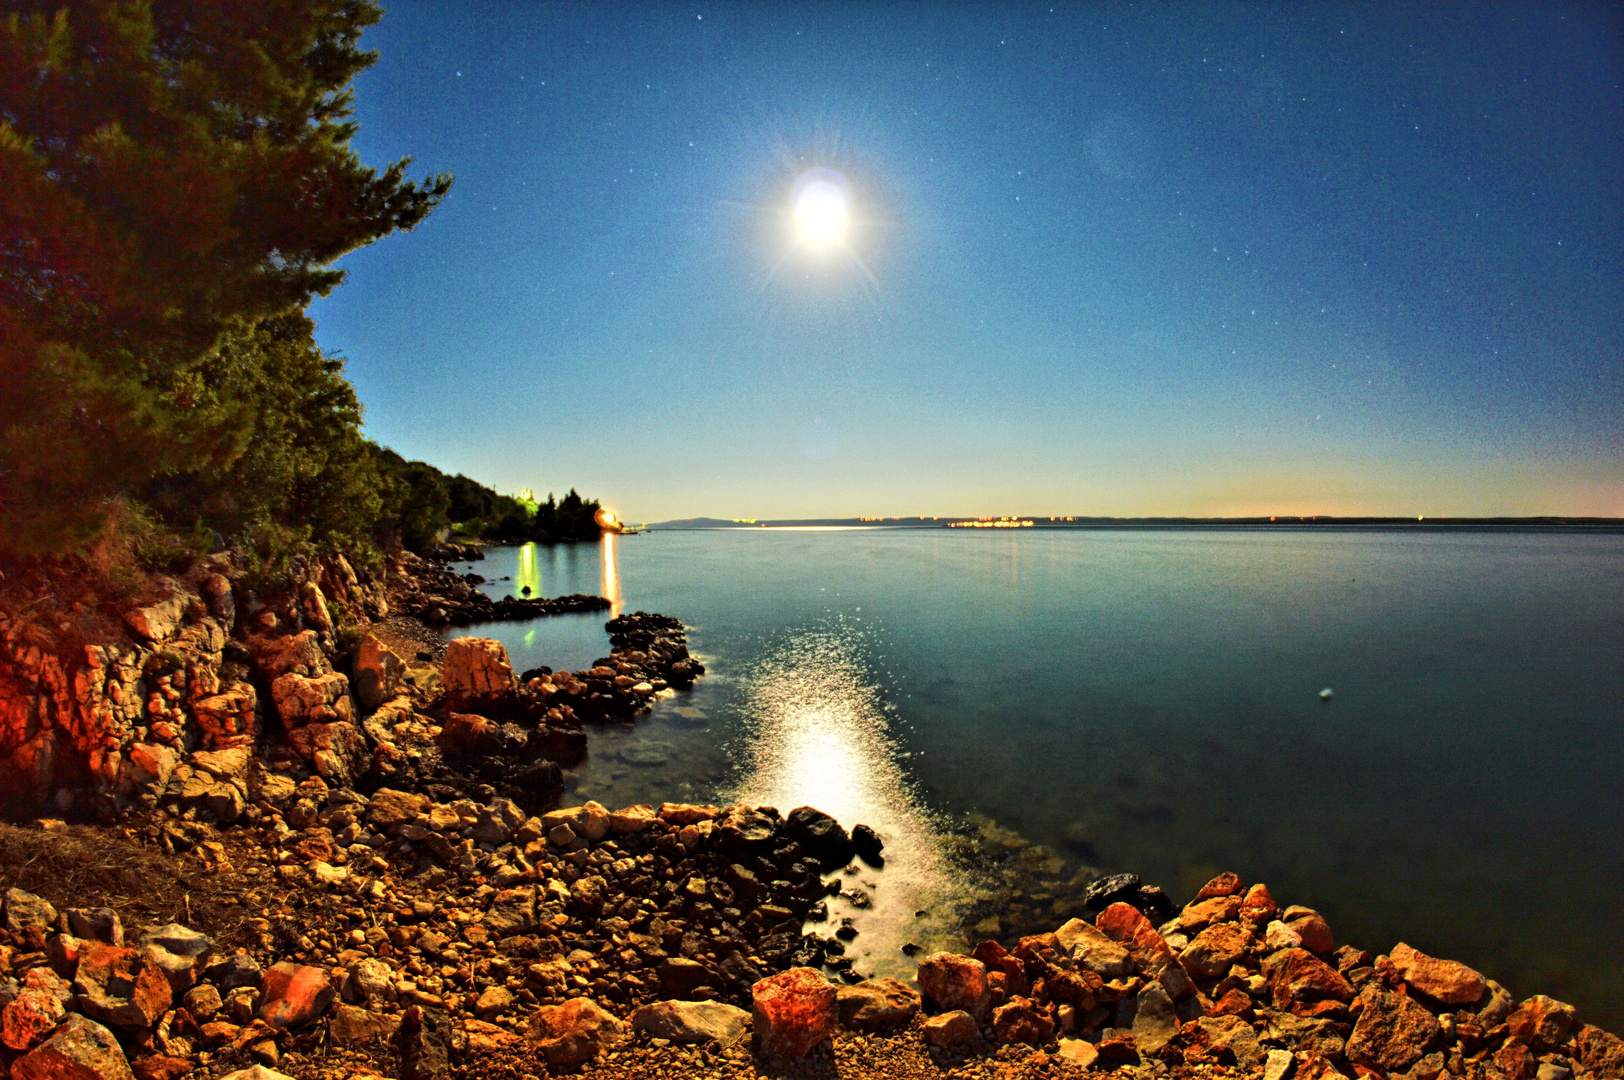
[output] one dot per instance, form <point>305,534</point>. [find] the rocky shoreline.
<point>301,851</point>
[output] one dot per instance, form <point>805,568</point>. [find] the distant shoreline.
<point>1297,524</point>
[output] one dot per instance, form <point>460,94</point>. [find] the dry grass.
<point>88,867</point>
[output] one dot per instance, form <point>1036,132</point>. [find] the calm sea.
<point>1150,702</point>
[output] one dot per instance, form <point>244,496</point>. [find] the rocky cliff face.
<point>187,670</point>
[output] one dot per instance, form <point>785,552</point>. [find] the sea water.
<point>1150,701</point>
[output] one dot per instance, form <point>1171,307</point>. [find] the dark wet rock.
<point>1110,890</point>
<point>867,844</point>
<point>821,835</point>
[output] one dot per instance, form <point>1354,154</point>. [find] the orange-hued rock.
<point>1021,1021</point>
<point>1540,1021</point>
<point>1226,884</point>
<point>951,982</point>
<point>1393,1032</point>
<point>80,1049</point>
<point>1258,907</point>
<point>794,1011</point>
<point>1448,981</point>
<point>950,1028</point>
<point>1315,933</point>
<point>680,814</point>
<point>1123,923</point>
<point>478,677</point>
<point>571,1034</point>
<point>1298,976</point>
<point>294,994</point>
<point>1212,952</point>
<point>1215,909</point>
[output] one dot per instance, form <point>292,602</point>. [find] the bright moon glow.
<point>821,212</point>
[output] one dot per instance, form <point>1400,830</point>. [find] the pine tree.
<point>173,175</point>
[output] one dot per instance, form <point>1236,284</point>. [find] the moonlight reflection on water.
<point>818,736</point>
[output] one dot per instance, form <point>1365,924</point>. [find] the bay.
<point>1149,701</point>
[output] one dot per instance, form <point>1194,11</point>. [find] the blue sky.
<point>1102,259</point>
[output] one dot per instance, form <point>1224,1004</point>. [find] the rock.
<point>121,987</point>
<point>1280,936</point>
<point>1258,908</point>
<point>877,1003</point>
<point>478,677</point>
<point>1226,884</point>
<point>351,1025</point>
<point>380,675</point>
<point>1150,952</point>
<point>224,802</point>
<point>1235,1035</point>
<point>159,620</point>
<point>313,603</point>
<point>680,976</point>
<point>294,994</point>
<point>160,1067</point>
<point>589,820</point>
<point>203,1001</point>
<point>423,1042</point>
<point>95,924</point>
<point>493,999</point>
<point>152,764</point>
<point>27,914</point>
<point>1197,917</point>
<point>1393,1032</point>
<point>228,719</point>
<point>794,1011</point>
<point>951,982</point>
<point>470,733</point>
<point>228,764</point>
<point>1110,890</point>
<point>1078,1052</point>
<point>1601,1052</point>
<point>513,911</point>
<point>1448,981</point>
<point>302,700</point>
<point>235,970</point>
<point>256,1072</point>
<point>1541,1022</point>
<point>338,751</point>
<point>1278,1064</point>
<point>680,814</point>
<point>820,835</point>
<point>867,844</point>
<point>1303,1034</point>
<point>389,809</point>
<point>297,653</point>
<point>80,1049</point>
<point>633,819</point>
<point>1315,933</point>
<point>1549,1071</point>
<point>1021,1021</point>
<point>370,981</point>
<point>950,1029</point>
<point>1298,976</point>
<point>571,1034</point>
<point>1213,951</point>
<point>29,1018</point>
<point>1154,1021</point>
<point>1089,946</point>
<point>692,1021</point>
<point>746,828</point>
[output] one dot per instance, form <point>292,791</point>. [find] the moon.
<point>821,209</point>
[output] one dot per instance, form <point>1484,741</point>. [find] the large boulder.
<point>951,982</point>
<point>297,653</point>
<point>1091,949</point>
<point>337,751</point>
<point>571,1034</point>
<point>28,915</point>
<point>228,719</point>
<point>692,1021</point>
<point>389,808</point>
<point>794,1011</point>
<point>478,677</point>
<point>121,987</point>
<point>820,835</point>
<point>1213,951</point>
<point>1298,977</point>
<point>302,700</point>
<point>380,675</point>
<point>29,1018</point>
<point>80,1049</point>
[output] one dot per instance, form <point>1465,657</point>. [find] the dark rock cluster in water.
<point>441,597</point>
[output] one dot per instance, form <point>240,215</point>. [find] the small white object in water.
<point>1326,695</point>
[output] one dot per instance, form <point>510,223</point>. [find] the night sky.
<point>1100,259</point>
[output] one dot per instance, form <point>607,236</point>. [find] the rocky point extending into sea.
<point>312,846</point>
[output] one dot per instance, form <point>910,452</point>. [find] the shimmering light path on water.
<point>1149,702</point>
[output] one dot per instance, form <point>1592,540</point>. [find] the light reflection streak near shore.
<point>611,576</point>
<point>817,736</point>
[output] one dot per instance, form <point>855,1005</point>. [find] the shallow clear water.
<point>1150,699</point>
